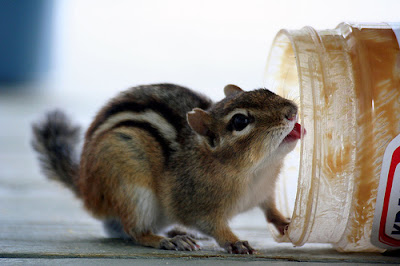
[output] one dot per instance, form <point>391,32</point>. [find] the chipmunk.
<point>162,154</point>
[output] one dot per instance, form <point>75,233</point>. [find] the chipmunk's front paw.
<point>282,226</point>
<point>240,247</point>
<point>179,242</point>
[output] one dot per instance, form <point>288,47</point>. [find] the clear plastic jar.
<point>346,82</point>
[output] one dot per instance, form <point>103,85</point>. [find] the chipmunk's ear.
<point>231,89</point>
<point>199,120</point>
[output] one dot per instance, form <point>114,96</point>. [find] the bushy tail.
<point>55,139</point>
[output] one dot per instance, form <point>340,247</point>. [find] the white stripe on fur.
<point>155,119</point>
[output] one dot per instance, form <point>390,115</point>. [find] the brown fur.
<point>136,173</point>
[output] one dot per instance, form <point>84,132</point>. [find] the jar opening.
<point>281,77</point>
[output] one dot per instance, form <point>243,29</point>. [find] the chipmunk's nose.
<point>291,113</point>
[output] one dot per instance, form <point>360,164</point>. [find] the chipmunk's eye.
<point>240,121</point>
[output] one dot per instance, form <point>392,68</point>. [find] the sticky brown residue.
<point>349,91</point>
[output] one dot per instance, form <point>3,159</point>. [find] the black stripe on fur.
<point>174,119</point>
<point>165,144</point>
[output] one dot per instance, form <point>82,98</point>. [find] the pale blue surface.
<point>41,221</point>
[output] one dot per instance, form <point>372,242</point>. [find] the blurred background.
<point>76,54</point>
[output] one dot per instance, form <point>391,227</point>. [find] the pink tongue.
<point>297,132</point>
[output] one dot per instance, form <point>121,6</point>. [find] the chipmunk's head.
<point>250,125</point>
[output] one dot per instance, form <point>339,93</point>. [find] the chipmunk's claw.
<point>179,242</point>
<point>239,247</point>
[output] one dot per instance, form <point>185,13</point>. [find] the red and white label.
<point>386,225</point>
